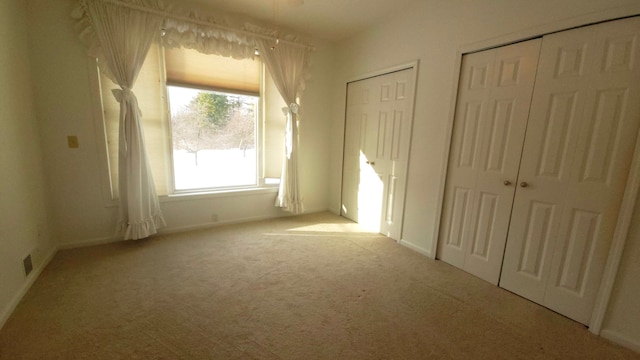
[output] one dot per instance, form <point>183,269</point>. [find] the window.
<point>210,122</point>
<point>214,138</point>
<point>214,103</point>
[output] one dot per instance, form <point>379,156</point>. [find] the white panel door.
<point>579,143</point>
<point>396,97</point>
<point>489,128</point>
<point>357,99</point>
<point>379,115</point>
<point>371,163</point>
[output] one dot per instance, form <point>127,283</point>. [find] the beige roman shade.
<point>195,69</point>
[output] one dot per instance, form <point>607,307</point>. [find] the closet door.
<point>489,127</point>
<point>579,144</point>
<point>376,154</point>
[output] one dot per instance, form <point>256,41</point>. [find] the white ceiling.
<point>326,19</point>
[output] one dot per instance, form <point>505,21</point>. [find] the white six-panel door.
<point>357,100</point>
<point>580,138</point>
<point>491,116</point>
<point>379,115</point>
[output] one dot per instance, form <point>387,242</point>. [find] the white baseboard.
<point>179,229</point>
<point>8,310</point>
<point>315,210</point>
<point>89,242</point>
<point>621,339</point>
<point>415,247</point>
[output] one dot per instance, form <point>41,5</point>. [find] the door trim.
<point>400,67</point>
<point>412,64</point>
<point>632,187</point>
<point>621,232</point>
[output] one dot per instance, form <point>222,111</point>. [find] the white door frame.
<point>633,182</point>
<point>405,66</point>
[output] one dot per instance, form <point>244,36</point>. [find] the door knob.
<point>523,184</point>
<point>371,163</point>
<point>507,182</point>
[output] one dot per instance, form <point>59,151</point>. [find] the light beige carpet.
<point>309,287</point>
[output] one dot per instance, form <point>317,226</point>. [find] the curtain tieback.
<point>294,108</point>
<point>125,94</point>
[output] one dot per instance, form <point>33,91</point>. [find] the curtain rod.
<point>201,22</point>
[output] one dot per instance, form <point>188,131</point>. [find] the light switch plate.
<point>72,141</point>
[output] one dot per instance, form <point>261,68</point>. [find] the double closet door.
<point>543,138</point>
<point>379,117</point>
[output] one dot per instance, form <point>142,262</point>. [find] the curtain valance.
<point>222,34</point>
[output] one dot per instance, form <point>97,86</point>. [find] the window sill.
<point>187,196</point>
<point>264,189</point>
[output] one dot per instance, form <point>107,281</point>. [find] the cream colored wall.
<point>64,107</point>
<point>434,33</point>
<point>63,103</point>
<point>24,223</point>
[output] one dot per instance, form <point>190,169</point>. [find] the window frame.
<point>262,185</point>
<point>260,148</point>
<point>258,140</point>
<point>95,84</point>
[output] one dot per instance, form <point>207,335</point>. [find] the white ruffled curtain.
<point>288,65</point>
<point>123,40</point>
<point>207,40</point>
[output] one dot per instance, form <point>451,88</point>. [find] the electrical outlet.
<point>72,141</point>
<point>28,265</point>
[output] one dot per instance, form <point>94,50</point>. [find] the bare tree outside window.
<point>216,129</point>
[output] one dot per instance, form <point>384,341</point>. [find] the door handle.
<point>507,182</point>
<point>371,163</point>
<point>523,184</point>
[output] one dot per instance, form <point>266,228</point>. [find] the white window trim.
<point>262,185</point>
<point>259,180</point>
<point>100,133</point>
